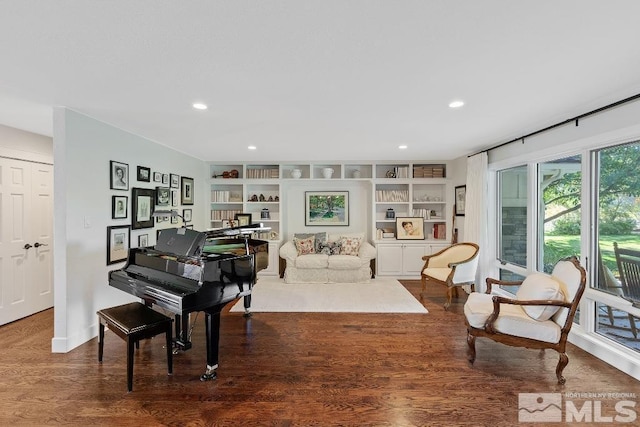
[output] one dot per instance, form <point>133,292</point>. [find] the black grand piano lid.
<point>180,241</point>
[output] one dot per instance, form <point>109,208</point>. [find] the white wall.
<point>83,148</point>
<point>457,173</point>
<point>294,210</point>
<point>23,145</point>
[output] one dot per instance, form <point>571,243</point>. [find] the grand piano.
<point>190,271</point>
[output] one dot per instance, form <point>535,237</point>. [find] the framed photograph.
<point>163,195</point>
<point>175,181</point>
<point>144,174</point>
<point>410,228</point>
<point>461,198</point>
<point>143,240</point>
<point>326,208</point>
<point>242,219</point>
<point>174,219</point>
<point>119,175</point>
<point>157,177</point>
<point>119,207</point>
<point>118,242</point>
<point>186,214</point>
<point>175,197</point>
<point>165,178</point>
<point>143,202</point>
<point>187,190</point>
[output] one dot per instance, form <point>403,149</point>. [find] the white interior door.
<point>26,203</point>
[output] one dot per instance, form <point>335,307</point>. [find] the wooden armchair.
<point>453,266</point>
<point>540,316</point>
<point>629,268</point>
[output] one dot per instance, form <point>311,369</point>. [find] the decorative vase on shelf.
<point>327,172</point>
<point>296,173</point>
<point>391,214</point>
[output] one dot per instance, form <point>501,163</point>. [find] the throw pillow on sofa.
<point>305,246</point>
<point>319,238</point>
<point>350,245</point>
<point>330,248</point>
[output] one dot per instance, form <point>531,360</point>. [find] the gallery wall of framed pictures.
<point>133,205</point>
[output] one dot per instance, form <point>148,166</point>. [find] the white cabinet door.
<point>400,259</point>
<point>274,259</point>
<point>389,259</point>
<point>412,259</point>
<point>26,282</point>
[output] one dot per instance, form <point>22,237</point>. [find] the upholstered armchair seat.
<point>513,320</point>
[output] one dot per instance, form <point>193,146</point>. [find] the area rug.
<point>381,295</point>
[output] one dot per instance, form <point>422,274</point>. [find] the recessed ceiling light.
<point>252,147</point>
<point>402,147</point>
<point>200,106</point>
<point>456,104</point>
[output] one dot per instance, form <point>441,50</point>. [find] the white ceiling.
<point>317,80</point>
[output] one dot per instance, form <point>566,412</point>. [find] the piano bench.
<point>133,322</point>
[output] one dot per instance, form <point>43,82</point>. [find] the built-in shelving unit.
<point>404,188</point>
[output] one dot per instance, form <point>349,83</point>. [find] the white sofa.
<point>318,267</point>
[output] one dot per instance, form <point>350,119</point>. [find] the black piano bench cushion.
<point>133,322</point>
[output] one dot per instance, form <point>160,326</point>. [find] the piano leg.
<point>247,306</point>
<point>182,340</point>
<point>212,329</point>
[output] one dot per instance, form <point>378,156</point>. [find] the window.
<point>512,216</point>
<point>617,211</point>
<point>559,222</point>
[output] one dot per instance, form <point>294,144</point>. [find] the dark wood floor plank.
<point>291,369</point>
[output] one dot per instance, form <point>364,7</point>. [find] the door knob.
<point>37,244</point>
<point>27,246</point>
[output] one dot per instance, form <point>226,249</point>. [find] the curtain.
<point>476,217</point>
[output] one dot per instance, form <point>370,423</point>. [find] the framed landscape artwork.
<point>326,208</point>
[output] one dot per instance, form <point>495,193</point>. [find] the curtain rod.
<point>574,119</point>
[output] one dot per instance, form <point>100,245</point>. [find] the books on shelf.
<point>263,173</point>
<point>220,214</point>
<point>429,171</point>
<point>223,196</point>
<point>439,231</point>
<point>392,195</point>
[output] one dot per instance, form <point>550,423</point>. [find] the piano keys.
<point>189,271</point>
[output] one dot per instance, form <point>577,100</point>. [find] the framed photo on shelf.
<point>461,199</point>
<point>242,219</point>
<point>187,190</point>
<point>186,214</point>
<point>229,223</point>
<point>119,207</point>
<point>163,195</point>
<point>119,175</point>
<point>144,174</point>
<point>326,208</point>
<point>143,240</point>
<point>410,228</point>
<point>143,202</point>
<point>175,181</point>
<point>118,242</point>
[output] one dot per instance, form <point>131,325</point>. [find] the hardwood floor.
<point>289,369</point>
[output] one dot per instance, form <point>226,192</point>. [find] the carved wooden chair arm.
<point>491,281</point>
<point>497,300</point>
